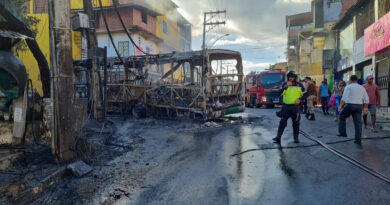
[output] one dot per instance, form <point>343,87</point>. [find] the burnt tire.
<point>138,111</point>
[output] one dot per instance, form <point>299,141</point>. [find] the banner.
<point>377,36</point>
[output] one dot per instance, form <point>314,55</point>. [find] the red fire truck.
<point>264,88</point>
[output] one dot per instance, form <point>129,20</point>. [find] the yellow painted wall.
<point>78,4</point>
<point>171,39</point>
<point>42,38</point>
<point>173,36</point>
<point>27,57</point>
<point>319,42</point>
<point>314,70</point>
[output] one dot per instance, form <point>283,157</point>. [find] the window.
<point>144,17</point>
<point>123,48</point>
<point>271,80</point>
<point>165,27</point>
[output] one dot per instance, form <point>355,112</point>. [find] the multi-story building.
<point>155,26</point>
<point>279,66</point>
<point>325,14</point>
<point>298,26</point>
<point>302,55</point>
<point>363,33</point>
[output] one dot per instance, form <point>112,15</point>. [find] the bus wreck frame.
<point>208,89</point>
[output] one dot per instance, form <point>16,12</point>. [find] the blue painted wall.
<point>332,10</point>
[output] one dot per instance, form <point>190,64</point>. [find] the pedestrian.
<point>324,94</point>
<point>338,94</point>
<point>354,98</point>
<point>292,92</point>
<point>312,95</point>
<point>304,99</point>
<point>317,91</point>
<point>373,94</point>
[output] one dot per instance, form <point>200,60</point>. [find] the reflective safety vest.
<point>292,94</point>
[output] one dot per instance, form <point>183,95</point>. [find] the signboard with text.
<point>377,36</point>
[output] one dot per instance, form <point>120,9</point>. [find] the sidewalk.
<point>383,124</point>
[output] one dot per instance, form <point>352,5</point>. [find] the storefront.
<point>377,38</point>
<point>344,69</point>
<point>363,64</point>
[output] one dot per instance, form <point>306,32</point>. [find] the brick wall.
<point>131,17</point>
<point>113,21</point>
<point>137,21</point>
<point>347,4</point>
<point>40,6</point>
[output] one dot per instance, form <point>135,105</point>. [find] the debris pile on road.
<point>79,168</point>
<point>211,124</point>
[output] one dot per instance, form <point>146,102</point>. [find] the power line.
<point>124,27</point>
<point>109,33</point>
<point>206,23</point>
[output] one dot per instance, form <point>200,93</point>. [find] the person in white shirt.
<point>354,98</point>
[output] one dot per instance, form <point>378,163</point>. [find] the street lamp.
<point>219,39</point>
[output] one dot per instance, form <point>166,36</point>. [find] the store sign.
<point>377,36</point>
<point>344,64</point>
<point>358,52</point>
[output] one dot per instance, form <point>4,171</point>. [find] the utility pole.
<point>206,23</point>
<point>92,47</point>
<point>65,123</point>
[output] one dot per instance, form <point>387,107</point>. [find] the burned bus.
<point>203,85</point>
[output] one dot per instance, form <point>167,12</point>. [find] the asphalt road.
<point>204,171</point>
<point>183,162</point>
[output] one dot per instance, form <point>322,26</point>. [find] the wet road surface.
<point>206,173</point>
<point>187,163</point>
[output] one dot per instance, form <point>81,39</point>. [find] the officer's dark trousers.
<point>356,111</point>
<point>293,112</point>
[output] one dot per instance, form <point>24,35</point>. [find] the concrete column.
<point>376,7</point>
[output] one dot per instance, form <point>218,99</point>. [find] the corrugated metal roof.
<point>299,19</point>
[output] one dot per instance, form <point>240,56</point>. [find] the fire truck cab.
<point>264,88</point>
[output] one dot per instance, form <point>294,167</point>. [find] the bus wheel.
<point>139,111</point>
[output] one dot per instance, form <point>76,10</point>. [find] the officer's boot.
<point>296,140</point>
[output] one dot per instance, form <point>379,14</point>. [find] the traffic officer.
<point>292,92</point>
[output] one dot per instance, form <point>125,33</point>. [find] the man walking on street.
<point>354,97</point>
<point>312,95</point>
<point>324,94</point>
<point>373,94</point>
<point>304,100</point>
<point>292,93</point>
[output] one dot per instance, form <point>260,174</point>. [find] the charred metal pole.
<point>64,135</point>
<point>92,47</point>
<point>105,84</point>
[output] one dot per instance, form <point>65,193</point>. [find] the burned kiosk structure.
<point>198,85</point>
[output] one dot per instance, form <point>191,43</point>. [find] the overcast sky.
<point>256,27</point>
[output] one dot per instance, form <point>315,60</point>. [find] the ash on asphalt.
<point>185,162</point>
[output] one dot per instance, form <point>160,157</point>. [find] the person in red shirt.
<point>373,94</point>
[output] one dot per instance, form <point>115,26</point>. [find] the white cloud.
<point>236,41</point>
<point>250,66</point>
<point>251,22</point>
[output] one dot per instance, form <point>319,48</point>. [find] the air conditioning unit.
<point>80,21</point>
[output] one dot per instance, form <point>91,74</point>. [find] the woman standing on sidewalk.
<point>338,94</point>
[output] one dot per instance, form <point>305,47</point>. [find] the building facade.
<point>363,33</point>
<point>298,27</point>
<point>155,26</point>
